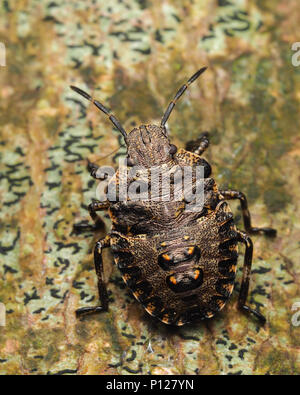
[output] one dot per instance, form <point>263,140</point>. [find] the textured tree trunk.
<point>133,55</point>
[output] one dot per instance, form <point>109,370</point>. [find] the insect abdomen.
<point>184,276</point>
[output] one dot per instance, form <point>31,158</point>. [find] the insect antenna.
<point>102,108</point>
<point>179,94</point>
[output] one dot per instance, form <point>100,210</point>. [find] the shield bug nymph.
<point>180,265</point>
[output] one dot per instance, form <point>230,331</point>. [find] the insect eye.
<point>129,161</point>
<point>173,149</point>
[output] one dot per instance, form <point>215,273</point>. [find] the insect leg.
<point>244,238</point>
<point>246,214</point>
<point>93,170</point>
<point>103,297</point>
<point>199,145</point>
<point>93,207</point>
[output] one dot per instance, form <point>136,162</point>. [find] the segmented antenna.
<point>179,94</point>
<point>102,108</point>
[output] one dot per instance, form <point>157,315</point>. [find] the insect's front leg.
<point>103,296</point>
<point>98,222</point>
<point>199,145</point>
<point>228,195</point>
<point>94,171</point>
<point>245,239</point>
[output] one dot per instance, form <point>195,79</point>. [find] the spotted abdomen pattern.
<point>179,277</point>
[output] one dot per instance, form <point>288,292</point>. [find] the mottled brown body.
<point>179,264</point>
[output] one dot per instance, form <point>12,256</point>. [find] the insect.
<point>180,265</point>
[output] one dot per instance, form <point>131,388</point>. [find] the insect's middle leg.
<point>98,222</point>
<point>245,239</point>
<point>199,145</point>
<point>228,195</point>
<point>103,296</point>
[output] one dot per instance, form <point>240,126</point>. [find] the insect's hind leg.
<point>199,145</point>
<point>103,296</point>
<point>244,238</point>
<point>98,222</point>
<point>228,195</point>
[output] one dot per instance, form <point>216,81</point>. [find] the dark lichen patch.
<point>63,372</point>
<point>32,296</point>
<point>143,3</point>
<point>233,346</point>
